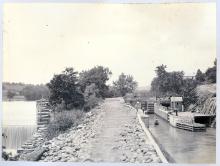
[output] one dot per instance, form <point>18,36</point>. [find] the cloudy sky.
<point>42,39</point>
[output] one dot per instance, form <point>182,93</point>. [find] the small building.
<point>176,103</point>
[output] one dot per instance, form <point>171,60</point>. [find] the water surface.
<point>183,146</point>
<point>18,123</point>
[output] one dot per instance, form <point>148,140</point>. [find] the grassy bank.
<point>64,120</point>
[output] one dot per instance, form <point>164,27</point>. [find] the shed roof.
<point>176,99</point>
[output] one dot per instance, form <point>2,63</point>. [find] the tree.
<point>161,71</point>
<point>64,87</point>
<point>211,73</point>
<point>113,92</point>
<point>98,75</point>
<point>200,77</point>
<point>35,92</point>
<point>188,91</point>
<point>167,83</point>
<point>125,84</point>
<point>174,84</point>
<point>10,94</point>
<point>91,99</point>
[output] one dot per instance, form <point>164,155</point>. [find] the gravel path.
<point>110,133</point>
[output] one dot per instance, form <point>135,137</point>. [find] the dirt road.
<point>110,133</point>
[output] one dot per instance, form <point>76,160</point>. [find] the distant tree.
<point>125,84</point>
<point>34,92</point>
<point>161,71</point>
<point>10,94</point>
<point>200,77</point>
<point>29,93</point>
<point>64,87</point>
<point>211,73</point>
<point>98,75</point>
<point>174,84</point>
<point>167,83</point>
<point>113,92</point>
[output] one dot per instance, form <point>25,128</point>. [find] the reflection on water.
<point>184,146</point>
<point>19,123</point>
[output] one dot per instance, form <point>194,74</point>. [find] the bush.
<point>63,121</point>
<point>64,87</point>
<point>91,102</point>
<point>90,96</point>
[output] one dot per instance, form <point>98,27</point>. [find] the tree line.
<point>71,89</point>
<point>28,91</point>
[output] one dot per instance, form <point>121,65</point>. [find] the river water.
<point>183,146</point>
<point>18,123</point>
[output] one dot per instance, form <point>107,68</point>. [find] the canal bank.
<point>181,146</point>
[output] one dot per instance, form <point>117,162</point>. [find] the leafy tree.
<point>174,84</point>
<point>200,77</point>
<point>98,75</point>
<point>188,91</point>
<point>161,71</point>
<point>211,73</point>
<point>91,90</point>
<point>125,84</point>
<point>167,83</point>
<point>113,92</point>
<point>91,99</point>
<point>10,94</point>
<point>64,87</point>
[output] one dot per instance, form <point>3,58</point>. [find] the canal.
<point>181,146</point>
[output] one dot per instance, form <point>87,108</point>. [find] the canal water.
<point>18,123</point>
<point>181,146</point>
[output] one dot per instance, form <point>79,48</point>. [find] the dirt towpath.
<point>111,133</point>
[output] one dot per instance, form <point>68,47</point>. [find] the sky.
<point>41,39</point>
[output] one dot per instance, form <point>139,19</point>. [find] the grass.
<point>63,121</point>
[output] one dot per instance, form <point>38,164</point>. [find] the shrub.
<point>90,96</point>
<point>63,121</point>
<point>91,102</point>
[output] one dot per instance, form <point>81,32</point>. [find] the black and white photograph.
<point>109,82</point>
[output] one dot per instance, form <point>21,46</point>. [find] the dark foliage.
<point>209,76</point>
<point>10,94</point>
<point>200,77</point>
<point>90,95</point>
<point>211,73</point>
<point>98,75</point>
<point>64,87</point>
<point>113,92</point>
<point>174,84</point>
<point>167,83</point>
